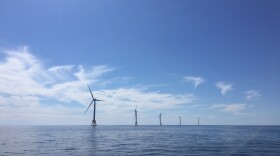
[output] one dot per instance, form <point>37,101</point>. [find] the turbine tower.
<point>198,121</point>
<point>93,101</point>
<point>160,119</point>
<point>136,124</point>
<point>180,120</point>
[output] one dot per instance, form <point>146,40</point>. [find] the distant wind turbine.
<point>160,119</point>
<point>93,100</point>
<point>198,121</point>
<point>180,120</point>
<point>136,124</point>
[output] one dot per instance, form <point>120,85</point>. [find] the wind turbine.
<point>93,101</point>
<point>160,119</point>
<point>198,121</point>
<point>180,120</point>
<point>136,124</point>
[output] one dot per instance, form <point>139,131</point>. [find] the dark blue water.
<point>141,140</point>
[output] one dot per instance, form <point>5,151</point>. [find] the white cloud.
<point>22,74</point>
<point>57,69</point>
<point>93,73</point>
<point>224,87</point>
<point>251,94</point>
<point>231,108</point>
<point>13,101</point>
<point>130,97</point>
<point>31,90</point>
<point>195,80</point>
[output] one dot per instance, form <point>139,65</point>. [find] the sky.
<point>216,60</point>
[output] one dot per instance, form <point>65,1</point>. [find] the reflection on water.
<point>141,140</point>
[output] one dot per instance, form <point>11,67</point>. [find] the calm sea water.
<point>141,140</point>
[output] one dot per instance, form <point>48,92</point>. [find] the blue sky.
<point>217,60</point>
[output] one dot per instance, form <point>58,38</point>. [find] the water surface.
<point>141,140</point>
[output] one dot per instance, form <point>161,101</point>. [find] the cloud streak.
<point>224,87</point>
<point>234,108</point>
<point>194,80</point>
<point>252,94</point>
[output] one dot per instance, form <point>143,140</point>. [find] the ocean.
<point>140,140</point>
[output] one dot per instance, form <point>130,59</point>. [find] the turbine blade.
<point>98,100</point>
<point>88,107</point>
<point>90,91</point>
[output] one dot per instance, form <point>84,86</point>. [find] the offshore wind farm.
<point>93,123</point>
<point>154,77</point>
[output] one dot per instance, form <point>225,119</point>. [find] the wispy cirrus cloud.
<point>129,97</point>
<point>57,69</point>
<point>252,94</point>
<point>225,87</point>
<point>26,83</point>
<point>22,74</point>
<point>194,80</point>
<point>233,108</point>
